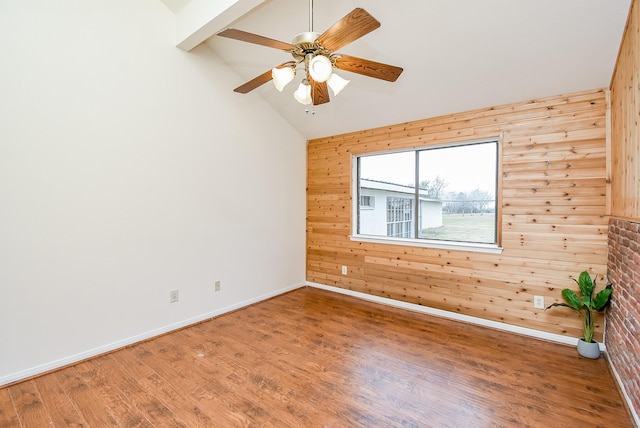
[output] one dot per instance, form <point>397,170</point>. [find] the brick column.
<point>623,315</point>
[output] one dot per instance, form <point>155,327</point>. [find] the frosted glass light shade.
<point>336,83</point>
<point>282,76</point>
<point>320,68</point>
<point>303,94</point>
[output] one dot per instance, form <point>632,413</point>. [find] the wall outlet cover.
<point>538,302</point>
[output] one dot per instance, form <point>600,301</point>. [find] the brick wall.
<point>623,316</point>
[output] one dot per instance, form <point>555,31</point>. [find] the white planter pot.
<point>589,350</point>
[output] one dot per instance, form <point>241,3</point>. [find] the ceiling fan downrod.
<point>311,16</point>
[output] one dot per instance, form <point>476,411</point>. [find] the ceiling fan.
<point>316,55</point>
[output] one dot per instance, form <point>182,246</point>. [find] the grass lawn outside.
<point>464,227</point>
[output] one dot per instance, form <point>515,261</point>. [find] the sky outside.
<point>464,168</point>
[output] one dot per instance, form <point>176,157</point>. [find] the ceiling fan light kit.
<point>336,83</point>
<point>315,54</point>
<point>320,68</point>
<point>282,77</point>
<point>303,93</point>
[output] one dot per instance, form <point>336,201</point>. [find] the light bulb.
<point>336,83</point>
<point>320,68</point>
<point>303,93</point>
<point>282,76</point>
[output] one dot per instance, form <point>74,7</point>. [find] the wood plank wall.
<point>554,220</point>
<point>625,123</point>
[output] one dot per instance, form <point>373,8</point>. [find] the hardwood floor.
<point>311,358</point>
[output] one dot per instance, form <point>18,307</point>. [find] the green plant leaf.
<point>586,301</point>
<point>586,284</point>
<point>601,299</point>
<point>572,299</point>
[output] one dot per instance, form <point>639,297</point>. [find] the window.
<point>367,201</point>
<point>400,217</point>
<point>436,195</point>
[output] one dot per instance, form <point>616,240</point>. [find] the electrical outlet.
<point>344,270</point>
<point>174,296</point>
<point>538,302</point>
<point>216,286</point>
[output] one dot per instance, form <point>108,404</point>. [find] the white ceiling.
<point>457,55</point>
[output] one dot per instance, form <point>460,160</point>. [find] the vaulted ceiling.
<point>457,55</point>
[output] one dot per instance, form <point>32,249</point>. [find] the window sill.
<point>425,243</point>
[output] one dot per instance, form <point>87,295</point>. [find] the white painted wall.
<point>373,221</point>
<point>430,214</point>
<point>121,157</point>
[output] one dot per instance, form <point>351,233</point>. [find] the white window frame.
<point>421,242</point>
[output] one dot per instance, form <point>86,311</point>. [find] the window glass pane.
<point>397,168</point>
<point>458,193</point>
<point>389,180</point>
<point>456,200</point>
<point>367,201</point>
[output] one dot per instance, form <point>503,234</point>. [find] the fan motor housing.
<point>307,44</point>
<point>306,40</point>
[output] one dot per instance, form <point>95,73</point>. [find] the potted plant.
<point>585,305</point>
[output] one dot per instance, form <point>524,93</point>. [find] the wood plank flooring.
<point>311,358</point>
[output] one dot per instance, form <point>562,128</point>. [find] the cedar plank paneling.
<point>625,126</point>
<point>554,218</point>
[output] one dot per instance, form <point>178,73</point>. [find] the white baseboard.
<point>72,359</point>
<point>568,340</point>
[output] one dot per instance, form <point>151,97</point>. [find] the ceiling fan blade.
<point>353,26</point>
<point>260,80</point>
<point>369,68</point>
<point>319,92</point>
<point>243,36</point>
<point>254,83</point>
